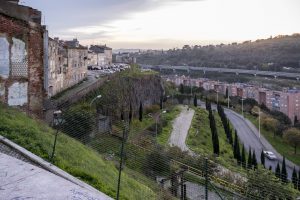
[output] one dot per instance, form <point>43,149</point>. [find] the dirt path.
<point>181,126</point>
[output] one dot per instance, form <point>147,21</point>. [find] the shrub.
<point>78,122</point>
<point>151,109</point>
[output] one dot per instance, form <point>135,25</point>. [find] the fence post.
<point>206,179</point>
<point>121,163</point>
<point>184,192</point>
<point>57,120</point>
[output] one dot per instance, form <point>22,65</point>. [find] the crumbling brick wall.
<point>21,61</point>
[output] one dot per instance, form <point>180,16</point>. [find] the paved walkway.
<point>181,128</point>
<point>21,180</point>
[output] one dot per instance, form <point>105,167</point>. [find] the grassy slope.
<point>201,142</point>
<point>163,137</point>
<point>277,142</point>
<point>71,155</point>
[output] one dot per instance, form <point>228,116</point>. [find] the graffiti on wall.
<point>17,94</point>
<point>19,62</point>
<point>4,57</point>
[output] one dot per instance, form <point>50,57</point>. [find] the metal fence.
<point>144,169</point>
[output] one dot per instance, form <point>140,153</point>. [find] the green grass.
<point>199,139</point>
<point>72,156</point>
<point>277,142</point>
<point>163,137</point>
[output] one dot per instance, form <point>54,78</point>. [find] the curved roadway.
<point>249,136</point>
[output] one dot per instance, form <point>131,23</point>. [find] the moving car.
<point>270,155</point>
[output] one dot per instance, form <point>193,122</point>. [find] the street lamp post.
<point>56,122</point>
<point>156,123</point>
<point>94,99</point>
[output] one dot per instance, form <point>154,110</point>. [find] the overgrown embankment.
<point>71,156</point>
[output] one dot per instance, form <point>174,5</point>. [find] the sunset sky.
<point>163,24</point>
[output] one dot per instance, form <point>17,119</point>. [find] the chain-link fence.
<point>128,162</point>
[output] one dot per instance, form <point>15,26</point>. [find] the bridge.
<point>225,70</point>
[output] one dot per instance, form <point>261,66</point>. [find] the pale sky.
<point>163,24</point>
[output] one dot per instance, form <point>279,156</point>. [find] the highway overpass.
<point>225,70</point>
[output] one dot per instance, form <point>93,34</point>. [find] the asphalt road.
<point>249,136</point>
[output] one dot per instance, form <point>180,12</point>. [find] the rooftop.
<point>99,48</point>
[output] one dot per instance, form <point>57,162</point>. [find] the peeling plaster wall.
<point>19,63</point>
<point>4,57</point>
<point>17,94</point>
<point>2,90</point>
<point>21,60</point>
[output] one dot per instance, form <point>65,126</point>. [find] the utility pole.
<point>243,106</point>
<point>206,179</point>
<point>259,123</point>
<point>228,97</point>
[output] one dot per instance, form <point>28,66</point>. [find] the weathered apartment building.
<point>34,67</point>
<point>124,58</point>
<point>99,55</point>
<point>67,64</point>
<point>286,101</point>
<point>22,57</point>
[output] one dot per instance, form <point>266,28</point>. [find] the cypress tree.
<point>141,112</point>
<point>243,158</point>
<point>195,101</point>
<point>262,158</point>
<point>249,163</point>
<point>216,143</point>
<point>236,149</point>
<point>226,93</point>
<point>277,171</point>
<point>283,172</point>
<point>238,152</point>
<point>254,160</point>
<point>130,113</point>
<point>270,168</point>
<point>294,178</point>
<point>295,120</point>
<point>181,88</point>
<point>229,136</point>
<point>299,180</point>
<point>122,116</point>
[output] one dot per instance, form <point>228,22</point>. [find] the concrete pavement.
<point>181,128</point>
<point>21,180</point>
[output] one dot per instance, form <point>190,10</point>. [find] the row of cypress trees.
<point>281,173</point>
<point>296,179</point>
<point>240,154</point>
<point>225,123</point>
<point>213,128</point>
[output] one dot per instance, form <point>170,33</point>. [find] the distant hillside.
<point>280,53</point>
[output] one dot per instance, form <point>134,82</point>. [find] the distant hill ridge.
<point>279,53</point>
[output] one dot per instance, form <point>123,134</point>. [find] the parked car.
<point>270,155</point>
